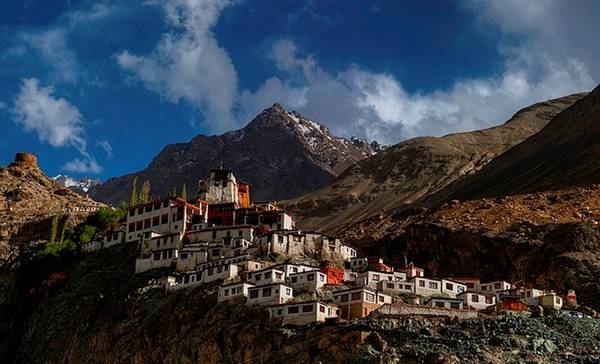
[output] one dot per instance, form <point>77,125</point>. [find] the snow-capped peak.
<point>83,184</point>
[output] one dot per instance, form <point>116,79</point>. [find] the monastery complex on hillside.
<point>258,257</point>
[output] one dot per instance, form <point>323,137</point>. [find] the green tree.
<point>88,233</point>
<point>134,198</point>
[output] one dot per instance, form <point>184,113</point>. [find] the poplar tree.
<point>134,198</point>
<point>184,192</point>
<point>54,231</point>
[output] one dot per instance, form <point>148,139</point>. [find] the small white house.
<point>530,296</point>
<point>452,288</point>
<point>372,278</point>
<point>359,264</point>
<point>164,258</point>
<point>445,302</point>
<point>190,258</point>
<point>225,272</point>
<point>426,287</point>
<point>233,290</point>
<point>271,294</point>
<point>302,313</point>
<point>294,268</point>
<point>477,301</point>
<point>310,280</point>
<point>551,300</point>
<point>266,276</point>
<point>494,287</point>
<point>250,265</point>
<point>184,280</point>
<point>395,288</point>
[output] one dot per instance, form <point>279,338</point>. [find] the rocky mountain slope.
<point>280,153</point>
<point>565,153</point>
<point>28,200</point>
<point>98,311</point>
<point>417,167</point>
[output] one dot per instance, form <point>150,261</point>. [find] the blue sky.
<point>100,87</point>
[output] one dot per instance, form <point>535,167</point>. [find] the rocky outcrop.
<point>416,168</point>
<point>280,153</point>
<point>28,200</point>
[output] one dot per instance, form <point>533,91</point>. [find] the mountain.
<point>280,153</point>
<point>418,167</point>
<point>81,186</point>
<point>29,199</point>
<point>563,154</point>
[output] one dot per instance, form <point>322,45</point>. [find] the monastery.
<point>258,257</point>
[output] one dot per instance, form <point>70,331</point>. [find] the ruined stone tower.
<point>25,159</point>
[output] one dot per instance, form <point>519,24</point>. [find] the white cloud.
<point>55,121</point>
<point>83,166</point>
<point>554,55</point>
<point>107,147</point>
<point>52,47</point>
<point>188,64</point>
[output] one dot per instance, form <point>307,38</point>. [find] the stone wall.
<point>388,312</point>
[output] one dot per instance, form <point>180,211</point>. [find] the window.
<point>455,305</point>
<point>381,299</point>
<point>254,294</point>
<point>470,285</point>
<point>146,223</point>
<point>421,283</point>
<point>293,309</point>
<point>214,235</point>
<point>497,285</point>
<point>278,275</point>
<point>140,210</point>
<point>257,276</point>
<point>131,227</point>
<point>132,212</point>
<point>240,233</point>
<point>307,308</point>
<point>294,279</point>
<point>156,255</point>
<point>322,308</point>
<point>475,298</point>
<point>433,285</point>
<point>184,255</point>
<point>226,292</point>
<point>155,221</point>
<point>310,277</point>
<point>449,286</point>
<point>557,300</point>
<point>279,311</point>
<point>484,288</point>
<point>164,219</point>
<point>489,300</point>
<point>267,275</point>
<point>375,277</point>
<point>389,285</point>
<point>344,298</point>
<point>322,277</point>
<point>439,304</point>
<point>288,291</point>
<point>266,292</point>
<point>370,297</point>
<point>355,296</point>
<point>139,225</point>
